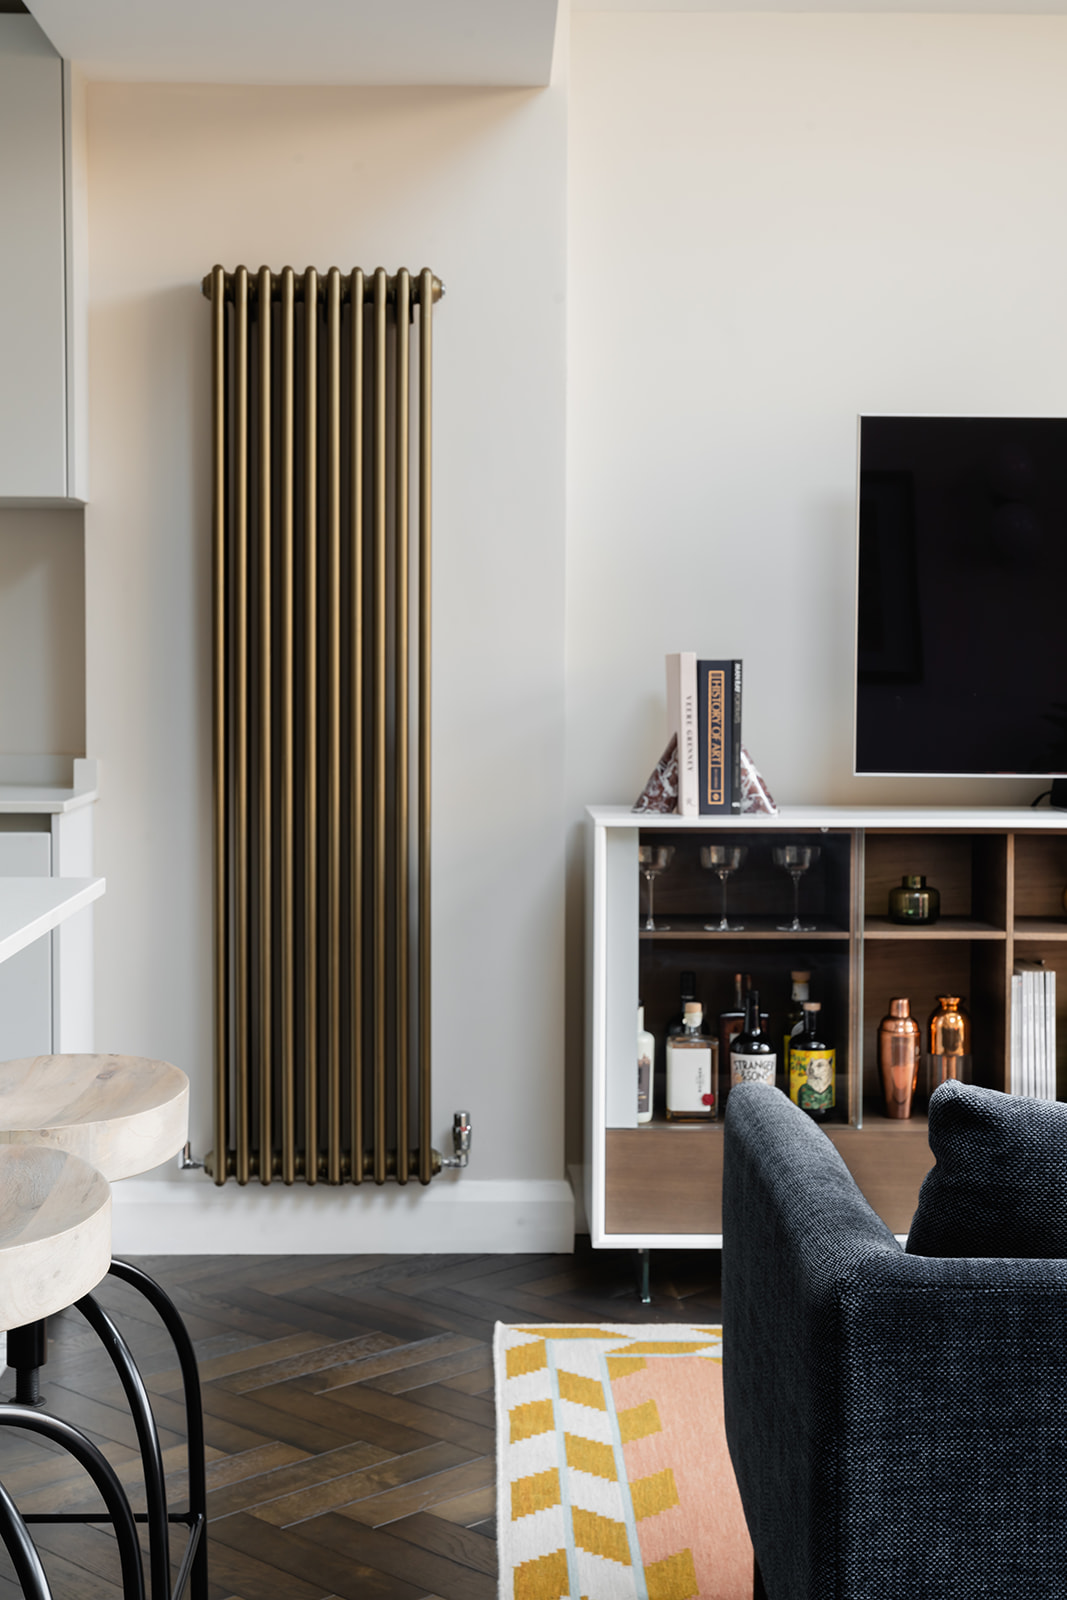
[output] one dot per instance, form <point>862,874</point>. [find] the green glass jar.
<point>914,904</point>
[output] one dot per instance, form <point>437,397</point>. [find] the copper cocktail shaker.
<point>899,1052</point>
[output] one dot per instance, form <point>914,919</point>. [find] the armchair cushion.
<point>999,1188</point>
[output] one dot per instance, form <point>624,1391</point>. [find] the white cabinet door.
<point>26,978</point>
<point>33,308</point>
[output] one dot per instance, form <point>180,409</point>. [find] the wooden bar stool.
<point>55,1245</point>
<point>124,1115</point>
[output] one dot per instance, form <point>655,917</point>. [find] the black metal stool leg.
<point>194,1566</point>
<point>22,1550</point>
<point>103,1475</point>
<point>147,1438</point>
<point>27,1352</point>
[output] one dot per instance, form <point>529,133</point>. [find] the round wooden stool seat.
<point>122,1114</point>
<point>55,1232</point>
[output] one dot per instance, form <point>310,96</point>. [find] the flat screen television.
<point>961,634</point>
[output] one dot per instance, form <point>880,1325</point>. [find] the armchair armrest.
<point>898,1424</point>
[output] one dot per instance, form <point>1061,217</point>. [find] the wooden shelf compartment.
<point>970,871</point>
<point>1040,877</point>
<point>770,964</point>
<point>1053,952</point>
<point>974,970</point>
<point>759,892</point>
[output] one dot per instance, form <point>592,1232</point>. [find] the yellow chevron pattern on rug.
<point>613,1478</point>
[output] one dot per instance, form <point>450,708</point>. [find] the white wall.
<point>471,183</point>
<point>779,222</point>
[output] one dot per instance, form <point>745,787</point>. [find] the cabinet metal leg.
<point>644,1268</point>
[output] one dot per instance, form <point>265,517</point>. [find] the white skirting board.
<point>190,1216</point>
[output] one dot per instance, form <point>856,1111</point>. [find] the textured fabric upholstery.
<point>1000,1184</point>
<point>897,1423</point>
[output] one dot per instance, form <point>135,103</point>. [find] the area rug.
<point>613,1478</point>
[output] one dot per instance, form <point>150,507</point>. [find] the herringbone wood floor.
<point>348,1412</point>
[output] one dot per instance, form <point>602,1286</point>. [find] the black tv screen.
<point>961,654</point>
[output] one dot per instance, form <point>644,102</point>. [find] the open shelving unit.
<point>1001,875</point>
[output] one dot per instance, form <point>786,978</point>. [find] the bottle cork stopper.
<point>811,1005</point>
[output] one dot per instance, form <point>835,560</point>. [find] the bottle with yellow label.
<point>811,1066</point>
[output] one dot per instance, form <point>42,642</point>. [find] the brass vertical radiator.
<point>321,423</point>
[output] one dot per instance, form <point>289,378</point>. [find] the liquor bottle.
<point>692,1070</point>
<point>731,1022</point>
<point>687,984</point>
<point>811,1066</point>
<point>794,1017</point>
<point>753,1058</point>
<point>646,1056</point>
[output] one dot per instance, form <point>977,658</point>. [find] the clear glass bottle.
<point>753,1058</point>
<point>646,1059</point>
<point>812,1061</point>
<point>794,1017</point>
<point>692,1071</point>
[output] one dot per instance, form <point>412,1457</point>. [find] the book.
<point>682,723</point>
<point>719,736</point>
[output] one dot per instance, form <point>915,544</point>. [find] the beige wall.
<point>471,183</point>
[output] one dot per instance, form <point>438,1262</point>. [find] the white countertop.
<point>973,818</point>
<point>30,907</point>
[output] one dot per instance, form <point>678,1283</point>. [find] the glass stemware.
<point>795,859</point>
<point>652,859</point>
<point>723,859</point>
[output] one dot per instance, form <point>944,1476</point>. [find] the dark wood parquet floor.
<point>348,1413</point>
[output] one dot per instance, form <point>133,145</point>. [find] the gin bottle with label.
<point>811,1066</point>
<point>753,1058</point>
<point>692,1070</point>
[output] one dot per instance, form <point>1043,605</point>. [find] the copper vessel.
<point>899,1052</point>
<point>950,1043</point>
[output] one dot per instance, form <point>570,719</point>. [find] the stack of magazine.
<point>1033,1030</point>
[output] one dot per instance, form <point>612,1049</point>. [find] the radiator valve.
<point>461,1141</point>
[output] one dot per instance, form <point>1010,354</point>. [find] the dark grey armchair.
<point>897,1423</point>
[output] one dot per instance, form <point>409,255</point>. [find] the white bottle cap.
<point>640,1019</point>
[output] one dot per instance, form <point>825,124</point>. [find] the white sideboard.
<point>1002,874</point>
